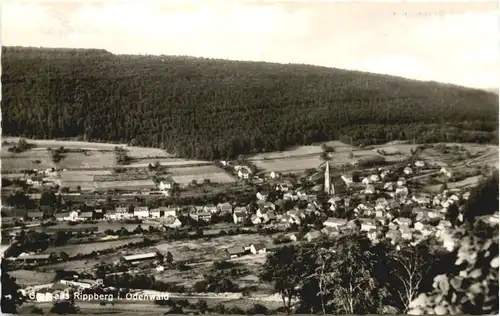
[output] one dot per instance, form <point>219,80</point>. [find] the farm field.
<point>168,162</point>
<point>199,173</point>
<point>470,181</point>
<point>130,184</point>
<point>26,160</point>
<point>72,250</point>
<point>292,164</point>
<point>302,151</point>
<point>103,226</point>
<point>211,249</point>
<point>29,277</point>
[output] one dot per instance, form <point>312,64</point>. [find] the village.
<point>95,241</point>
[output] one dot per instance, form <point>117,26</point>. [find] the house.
<point>446,172</point>
<point>225,208</point>
<point>274,175</point>
<point>297,213</point>
<point>134,259</point>
<point>243,174</point>
<point>335,222</point>
<point>406,233</point>
<point>388,186</point>
<point>141,212</point>
<point>426,230</point>
<point>426,215</point>
<point>312,235</point>
<point>86,216</point>
<point>239,217</point>
<point>347,180</point>
<point>370,189</point>
<point>235,252</point>
<point>366,180</point>
<point>419,164</point>
<point>372,235</point>
<point>156,213</point>
<point>261,211</point>
<point>403,221</point>
<point>290,219</point>
<point>401,181</point>
<point>444,224</point>
<point>99,213</point>
<point>34,215</point>
<point>335,200</point>
<point>402,191</point>
<point>384,174</point>
<point>60,217</point>
<point>167,184</point>
<point>210,208</point>
<point>330,231</point>
<point>258,248</point>
<point>421,200</point>
<point>374,178</point>
<point>407,171</point>
<point>394,236</point>
<point>122,213</point>
<point>268,217</point>
<point>35,258</point>
<point>261,196</point>
<point>201,215</point>
<point>170,222</point>
<point>255,219</point>
<point>367,224</point>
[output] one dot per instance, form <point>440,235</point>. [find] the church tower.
<point>328,185</point>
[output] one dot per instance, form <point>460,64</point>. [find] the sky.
<point>453,43</point>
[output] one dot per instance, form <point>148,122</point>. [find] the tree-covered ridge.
<point>217,108</point>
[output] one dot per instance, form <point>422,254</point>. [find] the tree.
<point>11,295</point>
<point>169,258</point>
<point>286,271</point>
<point>474,290</point>
<point>324,275</point>
<point>411,266</point>
<point>353,285</point>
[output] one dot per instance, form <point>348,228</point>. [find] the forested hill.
<point>216,108</point>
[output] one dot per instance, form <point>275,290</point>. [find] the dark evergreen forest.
<point>206,108</point>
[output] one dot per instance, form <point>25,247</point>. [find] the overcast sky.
<point>442,42</point>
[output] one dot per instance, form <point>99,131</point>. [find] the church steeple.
<point>328,185</point>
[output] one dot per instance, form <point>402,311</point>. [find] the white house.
<point>419,163</point>
<point>374,178</point>
<point>261,196</point>
<point>367,224</point>
<point>347,180</point>
<point>73,216</point>
<point>274,175</point>
<point>166,184</point>
<point>403,191</point>
<point>401,182</point>
<point>335,222</point>
<point>258,248</point>
<point>370,189</point>
<point>170,221</point>
<point>389,186</point>
<point>141,212</point>
<point>446,172</point>
<point>407,170</point>
<point>366,180</point>
<point>384,174</point>
<point>255,219</point>
<point>243,174</point>
<point>239,217</point>
<point>403,221</point>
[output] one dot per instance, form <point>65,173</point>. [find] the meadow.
<point>73,250</point>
